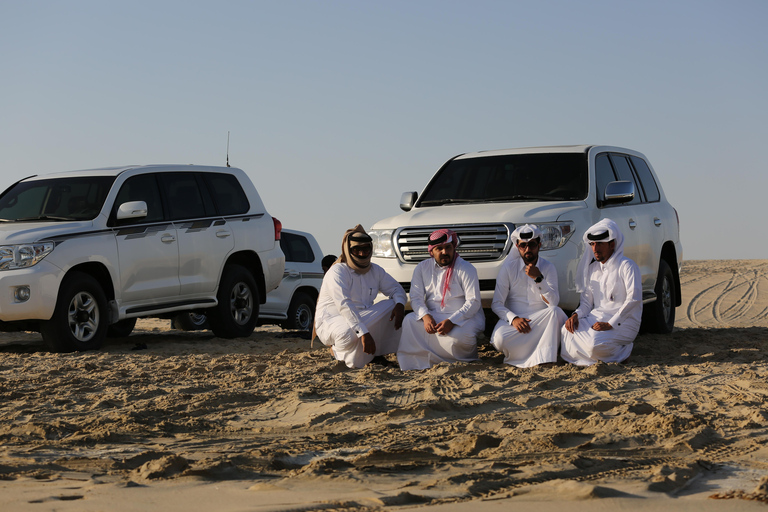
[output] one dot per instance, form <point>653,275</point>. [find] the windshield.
<point>508,178</point>
<point>55,199</point>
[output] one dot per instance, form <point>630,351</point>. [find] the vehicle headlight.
<point>13,257</point>
<point>555,235</point>
<point>382,243</point>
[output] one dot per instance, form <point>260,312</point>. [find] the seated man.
<point>611,306</point>
<point>346,318</point>
<point>327,261</point>
<point>525,300</point>
<point>447,315</point>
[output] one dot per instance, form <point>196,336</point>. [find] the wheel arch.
<point>99,272</point>
<point>251,261</point>
<point>307,290</point>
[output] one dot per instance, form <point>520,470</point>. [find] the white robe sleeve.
<point>467,276</point>
<point>500,294</point>
<point>548,287</point>
<point>586,302</point>
<point>629,277</point>
<point>340,291</point>
<point>390,287</point>
<point>417,292</point>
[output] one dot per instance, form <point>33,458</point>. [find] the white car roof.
<point>582,148</point>
<point>114,171</point>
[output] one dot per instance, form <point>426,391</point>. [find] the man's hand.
<point>532,271</point>
<point>429,324</point>
<point>444,327</point>
<point>572,323</point>
<point>521,324</point>
<point>602,326</point>
<point>369,346</point>
<point>397,315</point>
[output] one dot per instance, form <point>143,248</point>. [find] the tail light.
<point>278,228</point>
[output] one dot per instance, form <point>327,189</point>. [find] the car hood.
<point>518,213</point>
<point>27,232</point>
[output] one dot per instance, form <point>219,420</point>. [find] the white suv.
<point>562,189</point>
<point>85,253</point>
<point>292,304</point>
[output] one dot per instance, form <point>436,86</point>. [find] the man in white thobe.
<point>346,317</point>
<point>447,315</point>
<point>607,321</point>
<point>525,300</point>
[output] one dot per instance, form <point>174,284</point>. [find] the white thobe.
<point>420,350</point>
<point>518,295</point>
<point>621,306</point>
<point>346,311</point>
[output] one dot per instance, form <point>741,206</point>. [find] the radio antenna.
<point>227,148</point>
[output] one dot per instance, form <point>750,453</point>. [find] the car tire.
<point>659,315</point>
<point>301,313</point>
<point>79,321</point>
<point>237,312</point>
<point>190,321</point>
<point>121,329</point>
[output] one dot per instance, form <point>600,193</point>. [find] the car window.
<point>228,195</point>
<point>141,188</point>
<point>623,169</point>
<point>296,248</point>
<point>646,179</point>
<point>603,175</point>
<point>183,195</point>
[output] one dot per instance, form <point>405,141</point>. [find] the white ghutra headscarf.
<point>604,231</point>
<point>523,233</point>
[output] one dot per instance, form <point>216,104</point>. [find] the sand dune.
<point>268,423</point>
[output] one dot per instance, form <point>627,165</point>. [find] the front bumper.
<point>43,281</point>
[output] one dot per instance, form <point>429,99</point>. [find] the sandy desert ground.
<point>172,420</point>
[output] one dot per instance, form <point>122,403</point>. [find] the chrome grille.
<point>479,242</point>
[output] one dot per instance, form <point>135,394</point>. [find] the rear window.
<point>646,179</point>
<point>509,178</point>
<point>183,195</point>
<point>296,248</point>
<point>227,194</point>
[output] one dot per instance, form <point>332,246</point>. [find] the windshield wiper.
<point>520,197</point>
<point>440,202</point>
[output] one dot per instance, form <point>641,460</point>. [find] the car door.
<point>635,219</point>
<point>204,238</point>
<point>147,248</point>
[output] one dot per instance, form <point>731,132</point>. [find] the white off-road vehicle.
<point>292,304</point>
<point>85,253</point>
<point>564,190</point>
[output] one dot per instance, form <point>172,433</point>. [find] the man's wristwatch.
<point>538,279</point>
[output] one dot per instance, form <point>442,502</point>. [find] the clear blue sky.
<point>337,107</point>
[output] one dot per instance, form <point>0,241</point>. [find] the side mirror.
<point>407,200</point>
<point>619,192</point>
<point>132,210</point>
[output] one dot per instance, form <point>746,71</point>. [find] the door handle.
<point>632,224</point>
<point>223,234</point>
<point>168,239</point>
<point>656,221</point>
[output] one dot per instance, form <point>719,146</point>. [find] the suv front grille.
<point>478,242</point>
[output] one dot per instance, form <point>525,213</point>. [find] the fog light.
<point>21,294</point>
